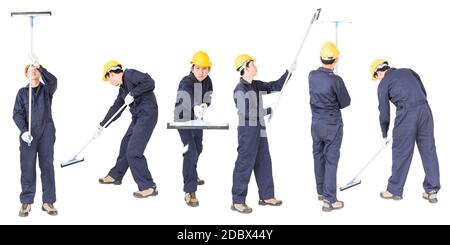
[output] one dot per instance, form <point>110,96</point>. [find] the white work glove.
<point>98,131</point>
<point>293,67</point>
<point>199,110</point>
<point>384,142</point>
<point>26,136</point>
<point>34,60</point>
<point>128,99</point>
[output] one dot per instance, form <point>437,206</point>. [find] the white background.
<point>159,37</point>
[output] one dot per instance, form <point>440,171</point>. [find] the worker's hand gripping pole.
<point>31,16</point>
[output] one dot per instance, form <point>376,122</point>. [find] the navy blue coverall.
<point>191,93</point>
<point>43,132</point>
<point>253,147</point>
<point>144,111</point>
<point>413,124</point>
<point>328,95</point>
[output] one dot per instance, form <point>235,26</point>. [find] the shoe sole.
<point>141,196</point>
<point>263,203</point>
<point>395,198</point>
<point>434,200</point>
<point>239,211</point>
<point>110,183</point>
<point>331,208</point>
<point>52,213</point>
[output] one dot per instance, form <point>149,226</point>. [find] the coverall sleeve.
<point>49,79</point>
<point>185,89</point>
<point>208,97</point>
<point>143,82</point>
<point>342,94</point>
<point>420,82</point>
<point>384,108</point>
<point>115,107</point>
<point>19,114</point>
<point>274,85</point>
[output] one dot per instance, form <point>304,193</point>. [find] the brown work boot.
<point>388,195</point>
<point>191,199</point>
<point>430,196</point>
<point>200,181</point>
<point>50,209</point>
<point>328,207</point>
<point>241,208</point>
<point>109,180</point>
<point>146,193</point>
<point>271,201</point>
<point>25,210</point>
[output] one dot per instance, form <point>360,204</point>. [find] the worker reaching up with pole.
<point>135,90</point>
<point>328,95</point>
<point>253,149</point>
<point>41,144</point>
<point>413,124</point>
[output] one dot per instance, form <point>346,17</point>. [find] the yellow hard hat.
<point>376,64</point>
<point>329,50</point>
<point>201,58</point>
<point>108,65</point>
<point>241,59</point>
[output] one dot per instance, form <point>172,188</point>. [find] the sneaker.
<point>388,195</point>
<point>430,196</point>
<point>320,197</point>
<point>328,207</point>
<point>241,208</point>
<point>191,199</point>
<point>146,193</point>
<point>271,202</point>
<point>200,181</point>
<point>109,180</point>
<point>50,209</point>
<point>25,210</point>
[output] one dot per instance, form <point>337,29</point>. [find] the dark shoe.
<point>430,196</point>
<point>191,199</point>
<point>50,209</point>
<point>200,181</point>
<point>25,210</point>
<point>241,208</point>
<point>146,193</point>
<point>328,207</point>
<point>319,197</point>
<point>271,202</point>
<point>388,195</point>
<point>109,180</point>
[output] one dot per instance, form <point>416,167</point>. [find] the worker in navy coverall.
<point>40,143</point>
<point>328,95</point>
<point>413,124</point>
<point>253,149</point>
<point>193,97</point>
<point>136,90</point>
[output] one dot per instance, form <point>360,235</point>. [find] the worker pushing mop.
<point>328,95</point>
<point>253,149</point>
<point>193,98</point>
<point>413,124</point>
<point>135,90</point>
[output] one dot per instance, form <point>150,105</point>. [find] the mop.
<point>355,180</point>
<point>313,19</point>
<point>30,15</point>
<point>75,159</point>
